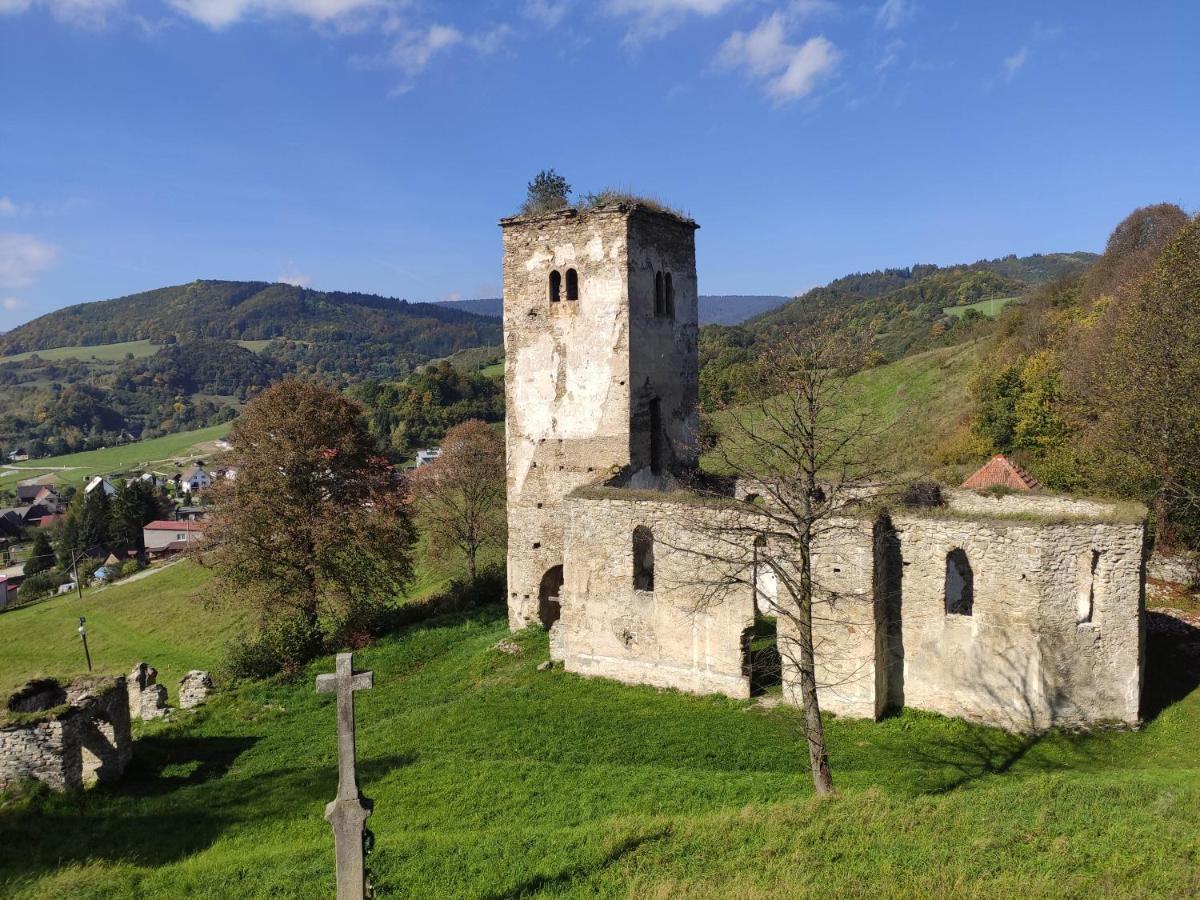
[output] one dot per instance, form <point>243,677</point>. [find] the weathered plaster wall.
<point>570,374</point>
<point>669,637</point>
<point>1023,659</point>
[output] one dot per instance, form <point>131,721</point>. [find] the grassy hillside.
<point>491,779</point>
<point>99,353</point>
<point>160,618</point>
<point>159,454</point>
<point>991,307</point>
<point>915,404</point>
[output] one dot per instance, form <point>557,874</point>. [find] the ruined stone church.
<point>1023,611</point>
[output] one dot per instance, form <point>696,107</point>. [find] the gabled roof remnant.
<point>1000,471</point>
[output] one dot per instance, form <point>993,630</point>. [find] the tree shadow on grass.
<point>580,870</point>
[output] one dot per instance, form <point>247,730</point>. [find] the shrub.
<point>129,567</point>
<point>281,647</point>
<point>997,490</point>
<point>38,585</point>
<point>923,495</point>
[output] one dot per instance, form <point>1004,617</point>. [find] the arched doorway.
<point>549,605</point>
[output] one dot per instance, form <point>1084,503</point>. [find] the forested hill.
<point>360,329</point>
<point>906,308</point>
<point>714,310</point>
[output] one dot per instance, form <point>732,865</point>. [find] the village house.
<point>425,457</point>
<point>164,536</point>
<point>99,482</point>
<point>195,479</point>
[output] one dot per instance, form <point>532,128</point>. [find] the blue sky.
<point>372,144</point>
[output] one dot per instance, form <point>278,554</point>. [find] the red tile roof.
<point>1002,471</point>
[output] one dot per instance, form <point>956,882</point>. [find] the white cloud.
<point>891,56</point>
<point>22,258</point>
<point>12,304</point>
<point>8,208</point>
<point>290,275</point>
<point>450,297</point>
<point>655,18</point>
<point>221,13</point>
<point>490,41</point>
<point>789,71</point>
<point>78,13</point>
<point>1013,64</point>
<point>545,12</point>
<point>413,51</point>
<point>894,13</point>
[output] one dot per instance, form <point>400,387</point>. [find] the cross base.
<point>347,818</point>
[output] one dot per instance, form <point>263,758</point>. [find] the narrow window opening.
<point>549,593</point>
<point>761,661</point>
<point>669,297</point>
<point>960,584</point>
<point>656,441</point>
<point>572,285</point>
<point>555,286</point>
<point>1085,607</point>
<point>643,559</point>
<point>660,301</point>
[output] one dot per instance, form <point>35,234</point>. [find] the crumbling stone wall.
<point>83,737</point>
<point>577,385</point>
<point>679,635</point>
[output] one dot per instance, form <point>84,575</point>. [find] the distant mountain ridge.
<point>365,324</point>
<point>714,310</point>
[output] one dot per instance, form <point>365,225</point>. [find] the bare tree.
<point>460,497</point>
<point>802,453</point>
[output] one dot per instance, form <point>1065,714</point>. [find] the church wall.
<point>671,637</point>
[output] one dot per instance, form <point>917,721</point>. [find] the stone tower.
<point>601,373</point>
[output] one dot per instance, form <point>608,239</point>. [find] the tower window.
<point>660,297</point>
<point>656,436</point>
<point>555,286</point>
<point>669,297</point>
<point>643,559</point>
<point>572,285</point>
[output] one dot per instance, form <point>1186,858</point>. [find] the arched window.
<point>555,286</point>
<point>549,604</point>
<point>660,299</point>
<point>960,584</point>
<point>669,297</point>
<point>643,559</point>
<point>572,285</point>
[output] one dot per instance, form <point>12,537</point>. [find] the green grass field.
<point>159,453</point>
<point>492,779</point>
<point>99,352</point>
<point>160,618</point>
<point>990,308</point>
<point>109,352</point>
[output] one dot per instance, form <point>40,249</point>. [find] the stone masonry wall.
<point>87,742</point>
<point>569,378</point>
<point>1023,659</point>
<point>669,637</point>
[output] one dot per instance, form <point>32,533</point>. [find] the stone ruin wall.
<point>1023,660</point>
<point>568,370</point>
<point>670,637</point>
<point>87,742</point>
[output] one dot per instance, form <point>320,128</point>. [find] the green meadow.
<point>990,308</point>
<point>158,453</point>
<point>492,779</point>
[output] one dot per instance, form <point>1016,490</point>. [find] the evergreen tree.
<point>41,557</point>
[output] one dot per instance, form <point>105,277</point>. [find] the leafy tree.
<point>1142,400</point>
<point>459,497</point>
<point>313,531</point>
<point>41,556</point>
<point>548,191</point>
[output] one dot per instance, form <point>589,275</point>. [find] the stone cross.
<point>348,813</point>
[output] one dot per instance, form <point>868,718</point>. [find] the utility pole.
<point>78,589</point>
